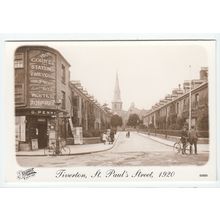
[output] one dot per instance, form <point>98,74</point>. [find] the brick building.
<point>45,100</point>
<point>41,92</point>
<point>173,112</point>
<point>86,112</point>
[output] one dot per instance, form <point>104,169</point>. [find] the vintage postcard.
<point>108,111</point>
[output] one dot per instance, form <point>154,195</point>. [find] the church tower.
<point>116,102</point>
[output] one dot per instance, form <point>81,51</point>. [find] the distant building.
<point>172,112</point>
<point>117,106</point>
<point>134,110</point>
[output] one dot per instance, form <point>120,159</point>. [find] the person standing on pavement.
<point>193,138</point>
<point>104,137</point>
<point>183,139</point>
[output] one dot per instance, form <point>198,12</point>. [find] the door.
<point>42,134</point>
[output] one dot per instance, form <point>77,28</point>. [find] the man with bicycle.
<point>193,138</point>
<point>184,139</point>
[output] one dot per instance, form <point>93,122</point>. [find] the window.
<point>19,61</point>
<point>63,74</point>
<point>177,107</point>
<point>19,93</point>
<point>197,100</point>
<point>63,101</point>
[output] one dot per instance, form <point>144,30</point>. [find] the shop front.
<point>35,129</point>
<point>41,91</point>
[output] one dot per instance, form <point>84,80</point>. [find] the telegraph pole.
<point>57,103</point>
<point>190,100</point>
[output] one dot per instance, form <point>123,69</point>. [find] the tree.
<point>133,120</point>
<point>116,121</point>
<point>203,118</point>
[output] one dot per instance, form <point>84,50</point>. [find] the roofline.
<point>179,97</point>
<point>72,86</point>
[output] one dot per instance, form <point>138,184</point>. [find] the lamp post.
<point>57,103</point>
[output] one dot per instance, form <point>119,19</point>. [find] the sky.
<point>147,70</point>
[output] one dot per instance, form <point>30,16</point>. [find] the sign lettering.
<point>42,76</point>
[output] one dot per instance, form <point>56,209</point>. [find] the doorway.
<point>42,135</point>
<point>37,128</point>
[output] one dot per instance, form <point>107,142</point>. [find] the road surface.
<point>137,150</point>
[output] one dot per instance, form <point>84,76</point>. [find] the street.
<point>137,150</point>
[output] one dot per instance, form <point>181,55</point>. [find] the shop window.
<point>63,101</point>
<point>63,74</point>
<point>19,61</point>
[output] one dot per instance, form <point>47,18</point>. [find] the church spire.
<point>116,102</point>
<point>117,94</point>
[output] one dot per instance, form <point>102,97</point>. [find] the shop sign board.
<point>78,136</point>
<point>34,144</point>
<point>42,75</point>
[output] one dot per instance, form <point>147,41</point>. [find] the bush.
<point>179,123</point>
<point>87,134</point>
<point>96,133</point>
<point>203,123</point>
<point>92,133</point>
<point>116,121</point>
<point>151,126</point>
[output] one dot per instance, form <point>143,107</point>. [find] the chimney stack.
<point>204,73</point>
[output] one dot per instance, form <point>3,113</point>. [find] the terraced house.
<point>186,106</point>
<point>87,113</point>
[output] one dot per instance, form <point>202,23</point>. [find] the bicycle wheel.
<point>177,147</point>
<point>65,150</point>
<point>187,151</point>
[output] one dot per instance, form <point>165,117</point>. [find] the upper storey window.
<point>63,74</point>
<point>19,60</point>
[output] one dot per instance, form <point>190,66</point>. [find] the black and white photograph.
<point>109,109</point>
<point>112,104</point>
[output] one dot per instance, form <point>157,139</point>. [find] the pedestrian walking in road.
<point>193,138</point>
<point>183,139</point>
<point>128,134</point>
<point>112,136</point>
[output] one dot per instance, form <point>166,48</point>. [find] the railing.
<point>201,134</point>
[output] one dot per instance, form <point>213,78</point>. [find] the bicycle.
<point>64,149</point>
<point>53,150</point>
<point>178,147</point>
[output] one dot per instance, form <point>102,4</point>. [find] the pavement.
<point>135,144</point>
<point>200,147</point>
<point>138,150</point>
<point>74,149</point>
